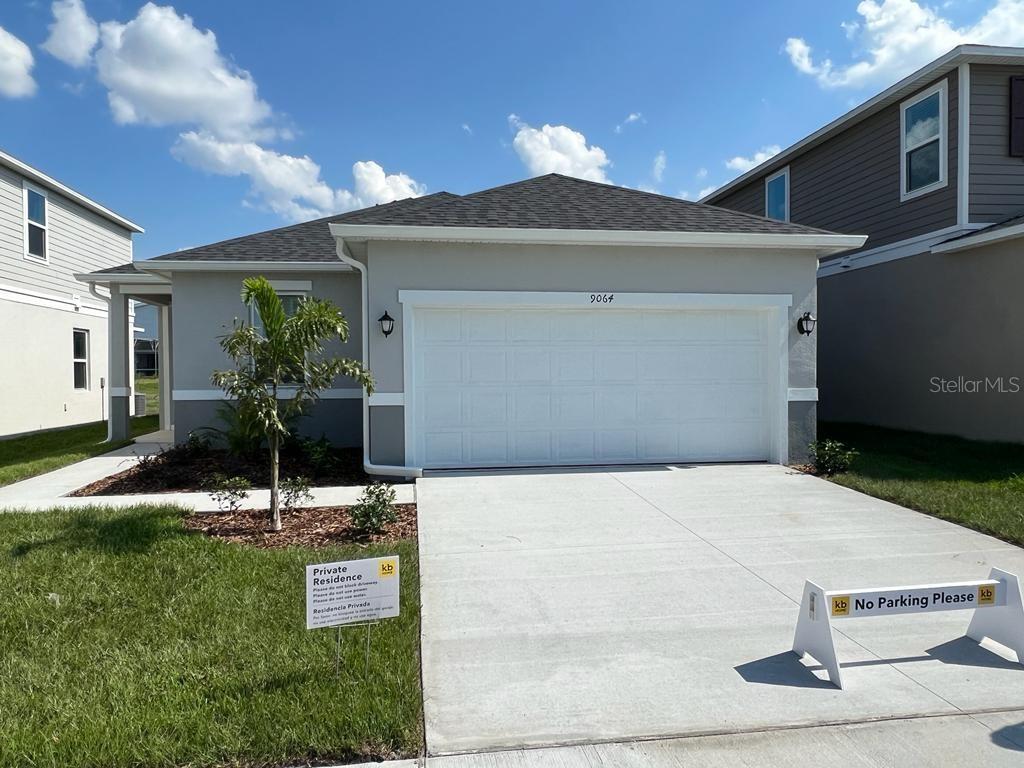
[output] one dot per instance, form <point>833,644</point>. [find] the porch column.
<point>119,352</point>
<point>164,370</point>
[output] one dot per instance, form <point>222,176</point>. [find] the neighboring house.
<point>553,321</point>
<point>147,357</point>
<point>921,328</point>
<point>53,332</point>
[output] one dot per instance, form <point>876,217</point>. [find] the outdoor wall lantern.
<point>805,325</point>
<point>387,324</point>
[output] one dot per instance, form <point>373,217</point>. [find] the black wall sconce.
<point>387,324</point>
<point>805,325</point>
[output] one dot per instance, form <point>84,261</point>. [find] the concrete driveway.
<point>581,606</point>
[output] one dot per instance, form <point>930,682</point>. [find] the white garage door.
<point>544,386</point>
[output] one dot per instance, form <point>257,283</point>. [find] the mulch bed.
<point>311,527</point>
<point>180,470</point>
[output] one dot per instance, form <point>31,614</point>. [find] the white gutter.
<point>824,243</point>
<point>368,466</point>
<point>38,177</point>
<point>980,238</point>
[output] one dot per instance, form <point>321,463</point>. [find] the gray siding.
<point>997,180</point>
<point>851,182</point>
<point>888,330</point>
<point>79,241</point>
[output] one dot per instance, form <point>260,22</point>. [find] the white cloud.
<point>632,117</point>
<point>467,128</point>
<point>161,70</point>
<point>73,34</point>
<point>900,36</point>
<point>288,185</point>
<point>16,64</point>
<point>707,191</point>
<point>658,169</point>
<point>558,149</point>
<point>702,173</point>
<point>744,164</point>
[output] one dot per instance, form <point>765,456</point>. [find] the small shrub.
<point>375,509</point>
<point>228,492</point>
<point>319,454</point>
<point>295,491</point>
<point>830,457</point>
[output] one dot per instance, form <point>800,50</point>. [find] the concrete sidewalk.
<point>993,740</point>
<point>50,490</point>
<point>575,607</point>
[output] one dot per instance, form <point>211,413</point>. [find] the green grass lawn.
<point>128,641</point>
<point>150,387</point>
<point>979,485</point>
<point>34,454</point>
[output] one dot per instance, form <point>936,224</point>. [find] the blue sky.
<point>207,120</point>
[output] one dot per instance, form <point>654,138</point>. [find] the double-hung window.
<point>80,357</point>
<point>776,195</point>
<point>290,302</point>
<point>923,142</point>
<point>36,234</point>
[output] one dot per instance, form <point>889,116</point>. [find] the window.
<point>776,195</point>
<point>290,302</point>
<point>80,356</point>
<point>923,143</point>
<point>35,224</point>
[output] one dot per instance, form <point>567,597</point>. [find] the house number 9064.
<point>602,298</point>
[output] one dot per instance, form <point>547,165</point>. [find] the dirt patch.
<point>304,527</point>
<point>181,469</point>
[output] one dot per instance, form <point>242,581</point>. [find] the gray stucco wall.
<point>997,180</point>
<point>205,307</point>
<point>888,332</point>
<point>851,182</point>
<point>394,266</point>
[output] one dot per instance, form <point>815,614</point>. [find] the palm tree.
<point>286,352</point>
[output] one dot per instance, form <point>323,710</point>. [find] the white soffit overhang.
<point>822,243</point>
<point>963,54</point>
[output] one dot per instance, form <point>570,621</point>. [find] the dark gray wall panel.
<point>339,420</point>
<point>997,180</point>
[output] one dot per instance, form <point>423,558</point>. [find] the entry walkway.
<point>589,606</point>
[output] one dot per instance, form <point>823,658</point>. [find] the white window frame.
<point>940,88</point>
<point>26,188</point>
<point>76,360</point>
<point>768,180</point>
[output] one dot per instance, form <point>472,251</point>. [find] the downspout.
<point>368,466</point>
<point>106,395</point>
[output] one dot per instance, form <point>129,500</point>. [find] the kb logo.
<point>986,595</point>
<point>841,606</point>
<point>386,568</point>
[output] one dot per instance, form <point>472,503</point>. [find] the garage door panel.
<point>525,386</point>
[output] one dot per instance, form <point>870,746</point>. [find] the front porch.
<point>125,284</point>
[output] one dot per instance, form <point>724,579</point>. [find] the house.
<point>552,321</point>
<point>921,327</point>
<point>53,330</point>
<point>147,357</point>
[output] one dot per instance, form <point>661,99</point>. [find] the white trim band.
<point>284,394</point>
<point>387,398</point>
<point>120,391</point>
<point>802,394</point>
<point>594,299</point>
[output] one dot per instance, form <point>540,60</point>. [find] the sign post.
<point>996,602</point>
<point>352,592</point>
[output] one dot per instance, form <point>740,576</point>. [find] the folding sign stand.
<point>996,602</point>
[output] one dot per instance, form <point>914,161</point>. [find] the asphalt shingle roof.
<point>545,202</point>
<point>1004,224</point>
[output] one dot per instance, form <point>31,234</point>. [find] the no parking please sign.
<point>996,601</point>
